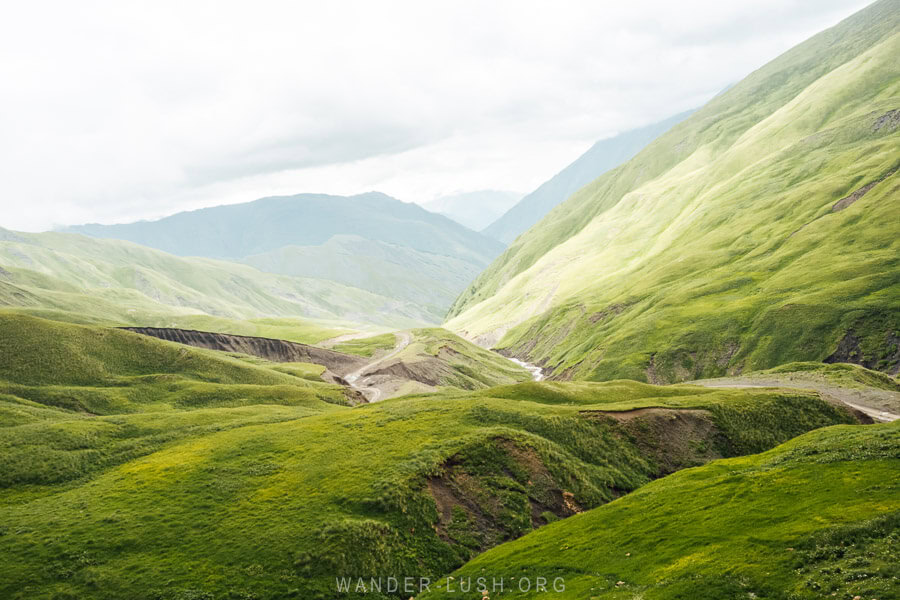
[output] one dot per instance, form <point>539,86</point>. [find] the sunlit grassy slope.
<point>74,277</point>
<point>725,244</point>
<point>818,517</point>
<point>255,484</point>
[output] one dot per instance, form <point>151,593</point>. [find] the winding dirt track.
<point>373,393</point>
<point>347,337</point>
<point>878,404</point>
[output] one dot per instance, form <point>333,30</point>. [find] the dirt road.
<point>357,379</point>
<point>881,405</point>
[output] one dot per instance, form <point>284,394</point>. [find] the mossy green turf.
<point>471,367</point>
<point>716,249</point>
<point>263,510</point>
<point>368,346</point>
<point>35,351</point>
<point>817,517</point>
<point>101,371</point>
<point>200,494</point>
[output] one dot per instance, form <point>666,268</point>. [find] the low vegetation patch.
<point>368,346</point>
<point>817,517</point>
<point>276,500</point>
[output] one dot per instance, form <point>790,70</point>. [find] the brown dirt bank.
<point>337,363</point>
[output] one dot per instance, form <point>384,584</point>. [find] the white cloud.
<point>124,110</point>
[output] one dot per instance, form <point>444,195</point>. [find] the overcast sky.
<point>112,112</point>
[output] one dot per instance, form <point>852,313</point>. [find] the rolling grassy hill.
<point>371,241</point>
<point>103,371</point>
<point>600,158</point>
<point>817,517</point>
<point>760,230</point>
<point>197,475</point>
<point>436,358</point>
<point>75,277</point>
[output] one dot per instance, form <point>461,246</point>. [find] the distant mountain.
<point>600,158</point>
<point>87,280</point>
<point>759,231</point>
<point>475,210</point>
<point>371,241</point>
<point>428,280</point>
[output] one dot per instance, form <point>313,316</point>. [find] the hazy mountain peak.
<point>476,209</point>
<point>604,155</point>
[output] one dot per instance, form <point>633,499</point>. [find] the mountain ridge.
<point>687,261</point>
<point>602,156</point>
<point>370,241</point>
<point>235,226</point>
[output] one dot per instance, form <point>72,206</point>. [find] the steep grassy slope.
<point>759,231</point>
<point>120,282</point>
<point>817,517</point>
<point>600,158</point>
<point>370,241</point>
<point>276,500</point>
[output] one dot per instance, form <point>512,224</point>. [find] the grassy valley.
<point>679,381</point>
<point>140,468</point>
<point>436,358</point>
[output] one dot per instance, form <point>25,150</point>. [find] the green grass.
<point>845,375</point>
<point>458,362</point>
<point>107,371</point>
<point>304,331</point>
<point>368,346</point>
<point>817,517</point>
<point>715,250</point>
<point>74,277</point>
<point>222,477</point>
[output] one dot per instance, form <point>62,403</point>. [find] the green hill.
<point>817,517</point>
<point>371,241</point>
<point>759,231</point>
<point>205,476</point>
<point>99,370</point>
<point>109,281</point>
<point>601,157</point>
<point>434,359</point>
